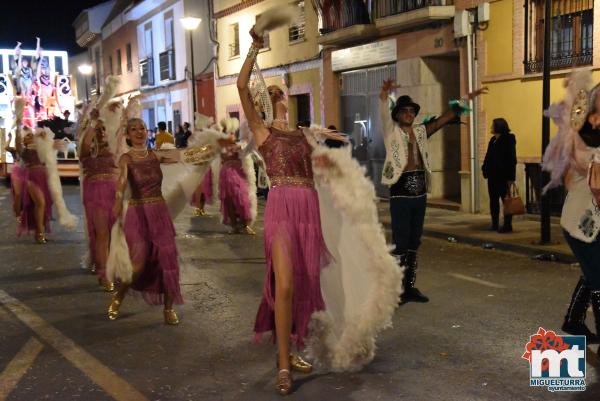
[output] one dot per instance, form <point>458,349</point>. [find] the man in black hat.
<point>405,170</point>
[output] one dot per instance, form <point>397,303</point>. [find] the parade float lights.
<point>85,69</point>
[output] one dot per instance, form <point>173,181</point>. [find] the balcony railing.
<point>147,71</point>
<point>571,34</point>
<point>385,8</point>
<point>167,65</point>
<point>338,15</point>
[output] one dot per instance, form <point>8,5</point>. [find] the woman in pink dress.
<point>36,202</point>
<point>233,190</point>
<point>148,228</point>
<point>100,175</point>
<point>295,250</point>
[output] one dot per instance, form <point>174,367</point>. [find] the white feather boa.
<point>118,266</point>
<point>361,288</point>
<point>248,167</point>
<point>44,142</point>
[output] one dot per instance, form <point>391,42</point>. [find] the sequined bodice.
<point>145,177</point>
<point>30,158</point>
<point>287,154</point>
<point>104,164</point>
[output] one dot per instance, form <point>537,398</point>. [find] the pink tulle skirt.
<point>292,217</point>
<point>233,188</point>
<point>38,177</point>
<point>150,236</point>
<point>98,201</point>
<point>17,175</point>
<point>206,189</point>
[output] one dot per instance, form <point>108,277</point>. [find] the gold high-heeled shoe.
<point>40,238</point>
<point>284,382</point>
<point>106,285</point>
<point>171,317</point>
<point>248,231</point>
<point>113,308</point>
<point>198,212</point>
<point>298,364</point>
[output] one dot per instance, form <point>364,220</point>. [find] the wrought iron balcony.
<point>385,8</point>
<point>167,65</point>
<point>397,15</point>
<point>147,71</point>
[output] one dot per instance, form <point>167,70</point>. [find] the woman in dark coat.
<point>499,169</point>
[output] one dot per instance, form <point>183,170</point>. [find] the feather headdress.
<point>569,115</point>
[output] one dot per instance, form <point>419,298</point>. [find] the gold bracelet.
<point>253,52</point>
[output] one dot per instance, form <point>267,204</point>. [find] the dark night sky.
<point>51,20</point>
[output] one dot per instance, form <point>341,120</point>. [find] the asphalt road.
<point>466,344</point>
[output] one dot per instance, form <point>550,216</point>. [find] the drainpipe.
<point>472,80</point>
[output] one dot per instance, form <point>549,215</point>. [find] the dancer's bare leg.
<point>230,210</point>
<point>284,291</point>
<point>17,205</point>
<point>117,300</point>
<point>39,202</point>
<point>102,243</point>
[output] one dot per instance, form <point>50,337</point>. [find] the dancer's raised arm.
<point>255,122</point>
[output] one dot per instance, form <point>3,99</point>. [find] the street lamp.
<point>85,70</point>
<point>190,24</point>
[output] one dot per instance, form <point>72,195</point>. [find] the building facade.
<point>88,34</point>
<point>120,49</point>
<point>511,56</point>
<point>163,48</point>
<point>290,58</point>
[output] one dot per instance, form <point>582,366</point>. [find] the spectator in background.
<point>163,136</point>
<point>182,136</point>
<point>499,168</point>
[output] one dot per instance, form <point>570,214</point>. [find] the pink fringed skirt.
<point>150,237</point>
<point>233,189</point>
<point>98,201</point>
<point>17,175</point>
<point>292,219</point>
<point>37,177</point>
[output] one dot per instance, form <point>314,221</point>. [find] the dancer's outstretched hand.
<point>478,92</point>
<point>389,84</point>
<point>256,38</point>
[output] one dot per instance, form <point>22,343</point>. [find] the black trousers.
<point>408,217</point>
<point>497,190</point>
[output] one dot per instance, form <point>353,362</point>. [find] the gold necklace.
<point>139,157</point>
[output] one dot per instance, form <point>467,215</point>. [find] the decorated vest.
<point>396,158</point>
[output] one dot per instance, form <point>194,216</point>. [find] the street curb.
<point>561,257</point>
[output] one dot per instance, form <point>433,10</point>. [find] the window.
<point>58,65</point>
<point>129,59</point>
<point>234,40</point>
<point>297,29</point>
<point>1,64</point>
<point>571,34</point>
<point>148,40</point>
<point>169,43</point>
<point>266,38</point>
<point>119,65</point>
<point>110,65</point>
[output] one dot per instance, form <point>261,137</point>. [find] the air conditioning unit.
<point>483,12</point>
<point>462,24</point>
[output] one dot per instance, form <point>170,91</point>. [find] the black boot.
<point>595,300</point>
<point>410,293</point>
<point>575,318</point>
<point>507,227</point>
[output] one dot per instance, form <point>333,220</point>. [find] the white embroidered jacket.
<point>396,146</point>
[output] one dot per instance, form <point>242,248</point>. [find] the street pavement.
<point>466,344</point>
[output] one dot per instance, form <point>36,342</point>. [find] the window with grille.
<point>297,29</point>
<point>234,40</point>
<point>266,38</point>
<point>110,65</point>
<point>571,30</point>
